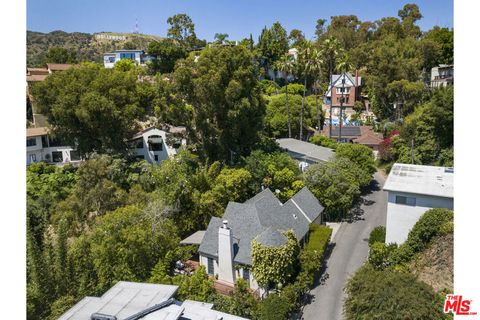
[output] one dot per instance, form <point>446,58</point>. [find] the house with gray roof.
<point>225,249</point>
<point>305,153</point>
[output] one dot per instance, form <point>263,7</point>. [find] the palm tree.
<point>287,66</point>
<point>331,51</point>
<point>316,66</point>
<point>306,66</point>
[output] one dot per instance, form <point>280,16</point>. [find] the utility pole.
<point>413,154</point>
<point>331,98</point>
<point>341,108</point>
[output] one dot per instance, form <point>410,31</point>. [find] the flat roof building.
<point>412,190</point>
<point>306,151</point>
<point>146,301</point>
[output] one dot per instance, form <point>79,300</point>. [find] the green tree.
<point>225,99</point>
<point>124,65</point>
<point>287,66</point>
<point>127,243</point>
<point>406,95</point>
<point>60,55</point>
<point>272,44</point>
<point>182,29</point>
<point>335,184</point>
<point>96,110</point>
<point>296,37</point>
<point>220,37</point>
<point>320,28</point>
<point>359,154</point>
<point>444,38</point>
<point>167,52</point>
<point>390,295</point>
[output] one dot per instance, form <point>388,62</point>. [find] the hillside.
<point>89,47</point>
<point>434,265</point>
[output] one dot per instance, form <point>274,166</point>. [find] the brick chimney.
<point>225,253</point>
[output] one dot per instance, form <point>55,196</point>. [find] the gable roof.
<point>349,82</point>
<point>265,218</point>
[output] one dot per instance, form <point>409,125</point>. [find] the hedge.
<point>377,235</point>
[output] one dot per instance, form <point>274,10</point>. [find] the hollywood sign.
<point>110,37</point>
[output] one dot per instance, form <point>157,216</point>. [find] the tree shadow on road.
<point>321,277</point>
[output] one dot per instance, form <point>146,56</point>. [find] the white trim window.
<point>409,201</point>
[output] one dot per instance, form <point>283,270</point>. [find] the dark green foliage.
<point>272,43</point>
<point>323,141</point>
<point>91,107</point>
<point>61,305</point>
<point>182,29</point>
<point>390,295</point>
<point>167,52</point>
<point>274,307</point>
<point>227,108</point>
<point>377,235</point>
<point>359,154</point>
<point>60,55</point>
<point>336,184</point>
<point>242,303</point>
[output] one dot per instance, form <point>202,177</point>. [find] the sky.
<point>236,18</point>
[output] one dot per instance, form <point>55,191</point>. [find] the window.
<point>155,143</point>
<point>409,201</point>
<point>74,155</point>
<point>111,59</point>
<point>127,55</point>
<point>246,276</point>
<point>343,90</point>
<point>210,266</point>
<point>137,143</point>
<point>31,142</point>
<point>57,156</point>
<point>44,142</point>
<point>156,158</point>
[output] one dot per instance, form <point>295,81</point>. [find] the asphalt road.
<point>349,249</point>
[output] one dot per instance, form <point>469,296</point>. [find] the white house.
<point>441,76</point>
<point>412,190</point>
<point>225,248</point>
<point>151,144</point>
<point>41,147</point>
<point>138,56</point>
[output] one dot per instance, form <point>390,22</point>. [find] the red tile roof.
<point>36,77</point>
<point>35,132</point>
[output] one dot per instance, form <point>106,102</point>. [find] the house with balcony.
<point>155,145</point>
<point>225,247</point>
<point>412,190</point>
<point>441,76</point>
<point>137,56</point>
<point>345,90</point>
<point>43,148</point>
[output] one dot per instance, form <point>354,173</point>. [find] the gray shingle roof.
<point>350,131</point>
<point>262,216</point>
<point>308,203</point>
<point>271,237</point>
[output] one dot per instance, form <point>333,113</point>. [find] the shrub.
<point>377,235</point>
<point>274,307</point>
<point>358,154</point>
<point>380,255</point>
<point>389,295</point>
<point>323,141</point>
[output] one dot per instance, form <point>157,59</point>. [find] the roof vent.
<point>225,224</point>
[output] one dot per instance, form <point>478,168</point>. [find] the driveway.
<point>347,252</point>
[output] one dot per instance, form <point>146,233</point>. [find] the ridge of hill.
<point>89,47</point>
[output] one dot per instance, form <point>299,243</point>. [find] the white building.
<point>138,56</point>
<point>225,247</point>
<point>151,144</point>
<point>441,76</point>
<point>41,147</point>
<point>146,301</point>
<point>412,190</point>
